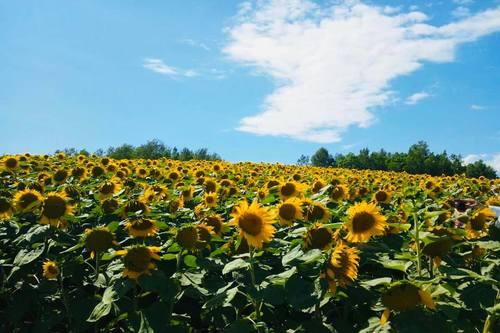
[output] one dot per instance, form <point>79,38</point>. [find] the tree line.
<point>418,160</point>
<point>153,149</point>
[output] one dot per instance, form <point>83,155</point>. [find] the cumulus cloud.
<point>416,97</point>
<point>492,160</point>
<point>158,66</point>
<point>333,64</point>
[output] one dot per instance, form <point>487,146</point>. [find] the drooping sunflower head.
<point>364,221</point>
<point>342,268</point>
<point>188,237</point>
<point>50,270</point>
<point>55,207</point>
<point>477,225</point>
<point>27,200</point>
<point>254,222</point>
<point>205,233</point>
<point>289,211</point>
<point>135,206</point>
<point>98,240</point>
<point>139,226</point>
<point>138,260</point>
<point>5,208</point>
<point>317,186</point>
<point>315,211</point>
<point>187,193</point>
<point>110,206</point>
<point>210,185</point>
<point>216,222</point>
<point>175,204</point>
<point>318,237</point>
<point>404,296</point>
<point>339,193</point>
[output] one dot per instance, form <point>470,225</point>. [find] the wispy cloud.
<point>492,160</point>
<point>333,64</point>
<point>463,2</point>
<point>417,97</point>
<point>195,43</point>
<point>476,107</point>
<point>461,11</point>
<point>158,66</point>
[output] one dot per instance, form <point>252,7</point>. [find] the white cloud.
<point>463,2</point>
<point>158,66</point>
<point>333,64</point>
<point>194,43</point>
<point>416,97</point>
<point>492,160</point>
<point>476,107</point>
<point>461,11</point>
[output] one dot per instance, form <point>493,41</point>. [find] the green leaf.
<point>235,265</point>
<point>190,261</point>
<point>24,257</point>
<point>100,310</point>
<point>241,326</point>
<point>294,254</point>
<point>300,293</point>
<point>376,282</point>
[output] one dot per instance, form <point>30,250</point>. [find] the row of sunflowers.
<point>90,244</point>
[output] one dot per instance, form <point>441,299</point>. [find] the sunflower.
<point>5,208</point>
<point>134,206</point>
<point>11,163</point>
<point>175,204</point>
<point>382,196</point>
<point>318,237</point>
<point>138,260</point>
<point>342,268</point>
<point>187,193</point>
<point>79,172</point>
<point>141,227</point>
<point>339,193</point>
<point>289,189</point>
<point>50,270</point>
<point>364,221</point>
<point>216,222</point>
<point>210,185</point>
<point>477,225</point>
<point>205,233</point>
<point>316,211</point>
<point>188,237</point>
<point>289,211</point>
<point>210,199</point>
<point>55,208</point>
<point>98,240</point>
<point>27,200</point>
<point>404,296</point>
<point>109,206</point>
<point>108,189</point>
<point>254,222</point>
<point>60,176</point>
<point>317,185</point>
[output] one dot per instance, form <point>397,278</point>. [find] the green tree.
<point>479,168</point>
<point>322,158</point>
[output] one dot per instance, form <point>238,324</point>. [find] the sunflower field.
<point>92,244</point>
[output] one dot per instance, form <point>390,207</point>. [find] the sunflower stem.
<point>97,266</point>
<point>256,303</point>
<point>65,300</point>
<point>431,267</point>
<point>417,240</point>
<point>179,261</point>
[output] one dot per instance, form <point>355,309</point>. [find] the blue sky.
<point>263,81</point>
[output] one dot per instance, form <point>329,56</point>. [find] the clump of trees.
<point>153,149</point>
<point>418,160</point>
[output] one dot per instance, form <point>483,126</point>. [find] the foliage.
<point>418,160</point>
<point>95,244</point>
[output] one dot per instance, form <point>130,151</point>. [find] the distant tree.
<point>479,168</point>
<point>84,152</point>
<point>322,158</point>
<point>124,151</point>
<point>153,149</point>
<point>185,155</point>
<point>303,160</point>
<point>99,152</point>
<point>415,159</point>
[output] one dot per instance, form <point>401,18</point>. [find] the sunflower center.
<point>53,270</point>
<point>107,188</point>
<point>135,206</point>
<point>288,189</point>
<point>99,240</point>
<point>316,213</point>
<point>251,223</point>
<point>477,223</point>
<point>109,206</point>
<point>362,222</point>
<point>142,224</point>
<point>215,223</point>
<point>401,298</point>
<point>210,186</point>
<point>381,196</point>
<point>4,205</point>
<point>137,259</point>
<point>27,199</point>
<point>54,207</point>
<point>210,199</point>
<point>319,238</point>
<point>337,193</point>
<point>287,211</point>
<point>187,237</point>
<point>11,163</point>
